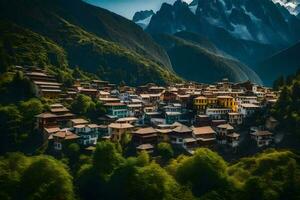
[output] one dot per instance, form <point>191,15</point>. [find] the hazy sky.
<point>127,8</point>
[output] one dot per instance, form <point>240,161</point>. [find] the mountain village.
<point>187,116</point>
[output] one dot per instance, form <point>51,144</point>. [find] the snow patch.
<point>241,31</point>
<point>290,5</point>
<point>193,8</point>
<point>145,22</point>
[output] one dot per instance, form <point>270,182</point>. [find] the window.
<point>57,146</point>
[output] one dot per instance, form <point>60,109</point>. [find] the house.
<point>169,96</point>
<point>205,135</point>
<point>202,120</point>
<point>135,110</point>
<point>227,102</point>
<point>144,136</point>
<point>163,134</point>
<point>48,119</point>
<point>248,109</point>
<point>58,116</point>
<point>106,100</point>
<point>63,138</point>
<point>217,122</point>
<point>104,94</point>
<point>222,131</point>
<point>116,130</point>
<point>129,120</point>
<point>179,134</point>
<point>135,107</point>
<point>232,139</point>
<point>150,114</point>
<point>156,89</point>
<point>77,121</point>
<point>98,84</point>
<point>190,144</point>
<point>184,99</point>
<point>45,85</point>
<point>116,110</point>
<point>262,138</point>
<point>248,99</point>
<point>271,123</point>
<point>174,113</point>
<point>150,98</point>
<point>172,117</point>
<point>49,132</point>
<point>88,133</point>
<point>149,148</point>
<point>235,118</point>
<point>218,113</point>
<point>200,104</point>
<point>88,91</point>
<point>46,89</point>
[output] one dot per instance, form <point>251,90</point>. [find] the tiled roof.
<point>203,130</point>
<point>147,130</point>
<point>226,126</point>
<point>182,129</point>
<point>120,125</point>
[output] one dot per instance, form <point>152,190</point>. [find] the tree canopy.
<point>37,177</point>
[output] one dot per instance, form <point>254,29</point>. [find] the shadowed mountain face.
<point>249,30</point>
<point>92,38</point>
<point>284,63</point>
<point>143,18</point>
<point>195,58</point>
<point>246,30</point>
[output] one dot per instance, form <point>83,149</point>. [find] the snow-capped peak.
<point>290,5</point>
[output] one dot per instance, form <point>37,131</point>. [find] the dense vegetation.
<point>38,177</point>
<point>107,174</point>
<point>287,109</point>
<point>110,173</point>
<point>87,107</point>
<point>80,35</point>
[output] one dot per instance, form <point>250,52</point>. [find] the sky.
<point>127,8</point>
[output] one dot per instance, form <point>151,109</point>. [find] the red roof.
<point>67,135</point>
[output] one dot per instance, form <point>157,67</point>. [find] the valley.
<point>188,100</point>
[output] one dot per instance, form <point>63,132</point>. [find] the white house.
<point>88,133</point>
<point>248,109</point>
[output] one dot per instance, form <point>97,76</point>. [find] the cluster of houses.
<point>187,115</point>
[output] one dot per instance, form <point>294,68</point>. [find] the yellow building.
<point>227,102</point>
<point>202,102</point>
<point>211,101</point>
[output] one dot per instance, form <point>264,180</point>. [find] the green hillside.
<point>198,60</point>
<point>24,47</point>
<point>93,47</point>
<point>284,63</point>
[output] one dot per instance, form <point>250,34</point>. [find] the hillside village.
<point>187,116</point>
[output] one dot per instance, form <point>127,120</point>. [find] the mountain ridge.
<point>204,64</point>
<point>271,68</point>
<point>235,28</point>
<point>102,51</point>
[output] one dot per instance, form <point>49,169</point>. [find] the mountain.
<point>248,30</point>
<point>195,58</point>
<point>293,6</point>
<point>284,63</point>
<point>92,38</point>
<point>143,18</point>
